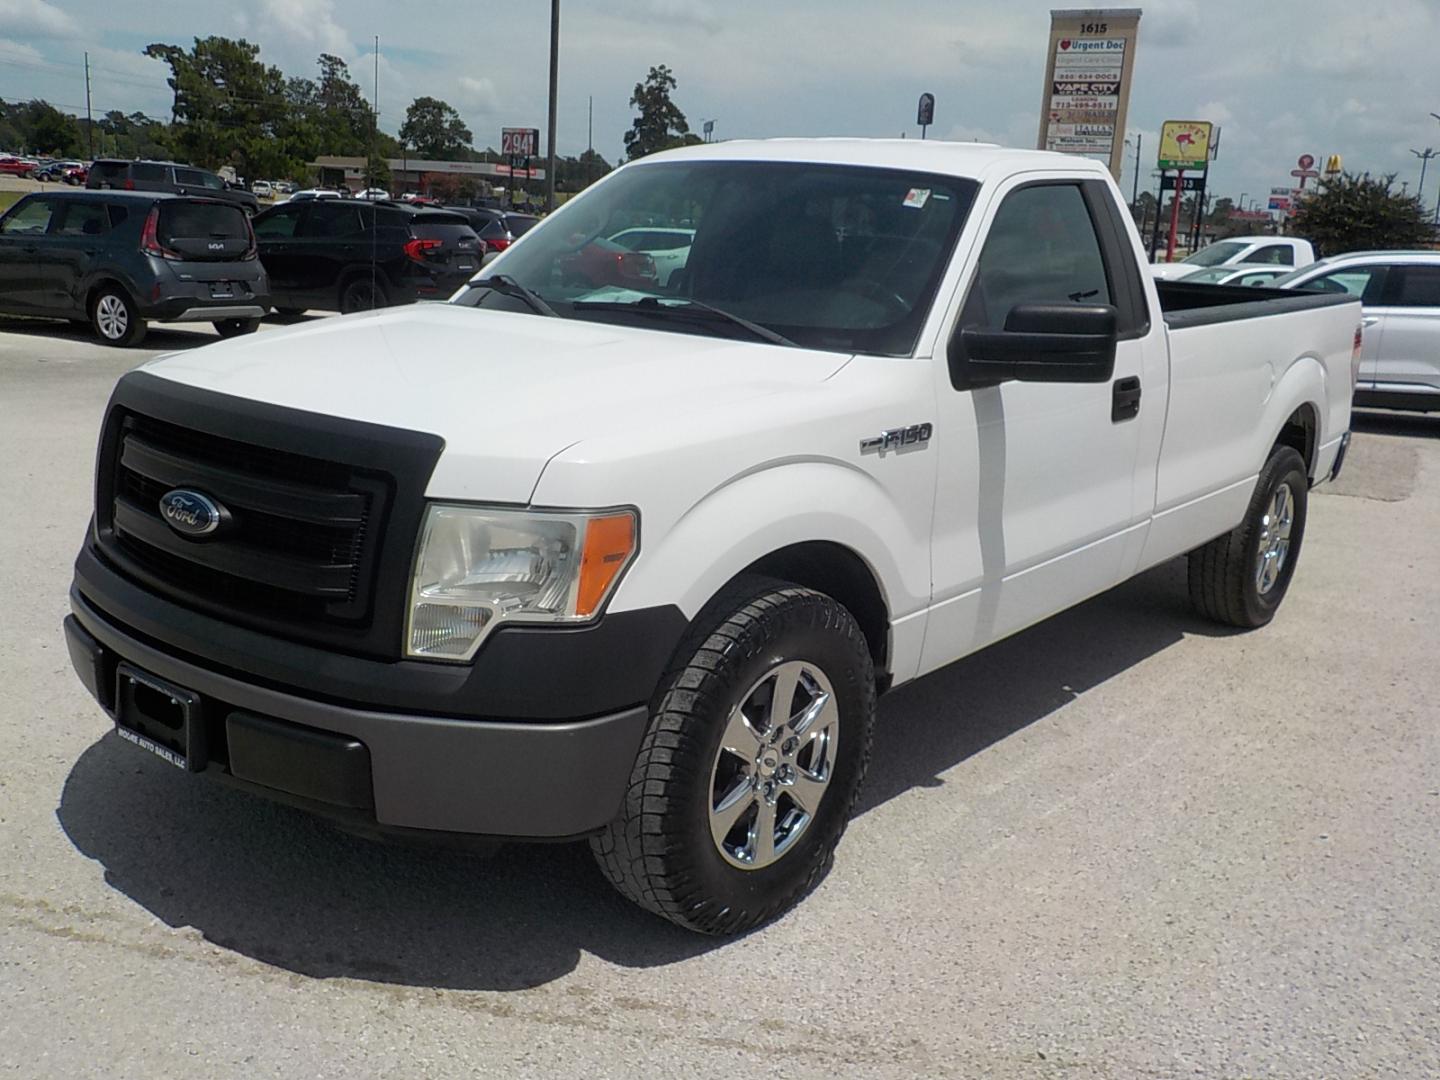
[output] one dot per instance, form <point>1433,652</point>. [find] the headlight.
<point>478,567</point>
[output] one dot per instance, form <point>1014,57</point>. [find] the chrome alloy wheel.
<point>776,758</point>
<point>111,317</point>
<point>1274,544</point>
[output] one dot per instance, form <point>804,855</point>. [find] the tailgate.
<point>204,231</point>
<point>459,245</point>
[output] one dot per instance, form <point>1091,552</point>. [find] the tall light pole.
<point>1242,200</point>
<point>1135,187</point>
<point>1424,156</point>
<point>1437,197</point>
<point>554,86</point>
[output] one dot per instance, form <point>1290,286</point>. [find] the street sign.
<point>1275,191</point>
<point>1306,161</point>
<point>925,114</point>
<point>1305,174</point>
<point>1185,144</point>
<point>1278,202</point>
<point>520,142</point>
<point>1190,183</point>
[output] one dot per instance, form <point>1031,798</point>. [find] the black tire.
<point>659,851</point>
<point>357,295</point>
<point>1225,574</point>
<point>228,328</point>
<point>115,318</point>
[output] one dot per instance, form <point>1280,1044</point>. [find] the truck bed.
<point>1185,304</point>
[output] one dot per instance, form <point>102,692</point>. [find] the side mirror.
<point>1065,343</point>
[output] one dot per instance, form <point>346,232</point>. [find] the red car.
<point>15,166</point>
<point>604,262</point>
<point>76,174</point>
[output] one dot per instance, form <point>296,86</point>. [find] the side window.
<point>30,218</point>
<point>149,174</point>
<point>1419,286</point>
<point>84,219</point>
<point>190,177</point>
<point>118,214</point>
<point>1042,248</point>
<point>279,225</point>
<point>1274,255</point>
<point>1364,282</point>
<point>327,220</point>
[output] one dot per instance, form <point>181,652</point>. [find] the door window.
<point>149,174</point>
<point>278,225</point>
<point>1365,282</point>
<point>1273,255</point>
<point>330,220</point>
<point>1419,286</point>
<point>1042,248</point>
<point>30,218</point>
<point>84,219</point>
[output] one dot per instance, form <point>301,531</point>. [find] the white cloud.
<point>36,18</point>
<point>683,12</point>
<point>19,50</point>
<point>478,95</point>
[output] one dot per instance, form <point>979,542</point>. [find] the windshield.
<point>1216,254</point>
<point>834,257</point>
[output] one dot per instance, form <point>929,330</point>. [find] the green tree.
<point>230,108</point>
<point>433,129</point>
<point>1359,213</point>
<point>660,124</point>
<point>50,131</point>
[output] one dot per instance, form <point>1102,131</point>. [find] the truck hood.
<point>506,391</point>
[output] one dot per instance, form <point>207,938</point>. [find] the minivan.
<point>119,258</point>
<point>167,176</point>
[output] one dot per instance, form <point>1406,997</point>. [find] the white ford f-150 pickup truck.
<point>580,555</point>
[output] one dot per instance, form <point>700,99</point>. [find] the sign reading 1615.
<point>1094,27</point>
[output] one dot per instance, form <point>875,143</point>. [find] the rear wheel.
<point>359,295</point>
<point>235,327</point>
<point>114,317</point>
<point>1241,577</point>
<point>752,762</point>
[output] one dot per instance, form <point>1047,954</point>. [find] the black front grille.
<point>311,507</point>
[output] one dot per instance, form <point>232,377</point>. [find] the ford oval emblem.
<point>190,513</point>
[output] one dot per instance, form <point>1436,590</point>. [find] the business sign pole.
<point>1184,144</point>
<point>1088,66</point>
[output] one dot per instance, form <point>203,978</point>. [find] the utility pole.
<point>1437,197</point>
<point>89,120</point>
<point>1135,187</point>
<point>1424,157</point>
<point>554,87</point>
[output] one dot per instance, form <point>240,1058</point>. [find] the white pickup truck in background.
<point>566,558</point>
<point>1287,251</point>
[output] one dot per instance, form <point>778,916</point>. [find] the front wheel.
<point>752,762</point>
<point>1240,578</point>
<point>360,295</point>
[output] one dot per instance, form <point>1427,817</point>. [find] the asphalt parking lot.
<point>1121,844</point>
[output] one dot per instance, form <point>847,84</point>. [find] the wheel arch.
<point>1295,413</point>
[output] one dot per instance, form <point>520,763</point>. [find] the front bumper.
<point>396,771</point>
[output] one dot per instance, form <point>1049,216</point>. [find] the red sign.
<point>519,142</point>
<point>1306,162</point>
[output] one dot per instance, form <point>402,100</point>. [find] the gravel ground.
<point>1121,844</point>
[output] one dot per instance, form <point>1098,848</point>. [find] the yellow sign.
<point>1185,144</point>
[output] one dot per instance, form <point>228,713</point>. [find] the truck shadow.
<point>276,885</point>
<point>1412,424</point>
<point>172,336</point>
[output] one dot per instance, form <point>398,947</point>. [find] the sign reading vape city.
<point>1087,82</point>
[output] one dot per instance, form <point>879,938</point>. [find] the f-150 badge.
<point>895,438</point>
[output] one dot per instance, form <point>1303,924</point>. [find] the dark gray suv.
<point>120,174</point>
<point>118,258</point>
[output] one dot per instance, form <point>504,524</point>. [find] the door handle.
<point>1125,399</point>
<point>1369,320</point>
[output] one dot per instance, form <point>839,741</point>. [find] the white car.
<point>1284,251</point>
<point>262,189</point>
<point>563,559</point>
<point>313,193</point>
<point>669,247</point>
<point>373,193</point>
<point>1400,290</point>
<point>1234,274</point>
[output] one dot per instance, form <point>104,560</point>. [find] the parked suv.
<point>318,254</point>
<point>1400,291</point>
<point>166,176</point>
<point>498,228</point>
<point>118,258</point>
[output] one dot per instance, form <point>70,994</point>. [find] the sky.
<point>1320,77</point>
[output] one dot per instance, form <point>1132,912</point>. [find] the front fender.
<point>775,507</point>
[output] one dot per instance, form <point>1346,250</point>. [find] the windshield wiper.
<point>506,285</point>
<point>683,306</point>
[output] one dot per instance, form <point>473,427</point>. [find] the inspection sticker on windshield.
<point>917,197</point>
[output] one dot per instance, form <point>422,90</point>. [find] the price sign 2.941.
<point>520,142</point>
